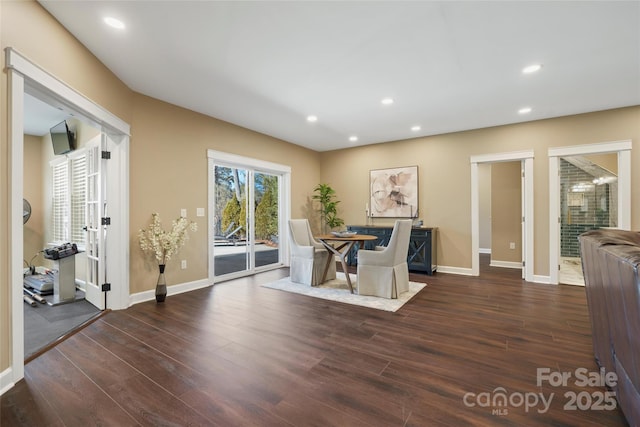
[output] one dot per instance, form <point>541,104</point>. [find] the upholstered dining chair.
<point>308,256</point>
<point>384,272</point>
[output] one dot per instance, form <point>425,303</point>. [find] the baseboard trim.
<point>149,295</point>
<point>506,264</point>
<point>484,250</point>
<point>541,279</point>
<point>455,270</point>
<point>6,381</point>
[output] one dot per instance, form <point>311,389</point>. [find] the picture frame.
<point>575,199</point>
<point>393,192</point>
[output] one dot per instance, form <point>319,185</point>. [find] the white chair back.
<point>399,240</point>
<point>385,273</point>
<point>301,232</point>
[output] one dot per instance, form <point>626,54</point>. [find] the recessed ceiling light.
<point>525,110</point>
<point>387,101</point>
<point>532,68</point>
<point>415,128</point>
<point>312,119</point>
<point>353,138</point>
<point>113,22</point>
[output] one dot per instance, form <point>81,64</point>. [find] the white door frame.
<point>233,160</point>
<point>623,150</point>
<point>26,77</point>
<point>526,157</point>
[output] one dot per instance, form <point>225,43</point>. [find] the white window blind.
<point>78,198</point>
<point>69,196</point>
<point>60,211</point>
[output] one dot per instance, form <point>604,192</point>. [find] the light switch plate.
<point>183,213</point>
<point>200,212</point>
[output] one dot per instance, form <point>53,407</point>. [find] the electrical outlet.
<point>512,245</point>
<point>183,213</point>
<point>183,264</point>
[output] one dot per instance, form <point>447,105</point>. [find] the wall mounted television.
<point>62,138</point>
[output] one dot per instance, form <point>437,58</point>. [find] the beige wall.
<point>444,173</point>
<point>31,30</point>
<point>484,205</point>
<point>608,161</point>
<point>506,208</point>
<point>169,172</point>
<point>33,184</point>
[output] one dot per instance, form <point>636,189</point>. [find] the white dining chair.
<point>308,256</point>
<point>384,272</point>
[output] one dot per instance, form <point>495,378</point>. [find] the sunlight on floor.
<point>571,271</point>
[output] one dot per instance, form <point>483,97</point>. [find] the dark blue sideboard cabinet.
<point>422,245</point>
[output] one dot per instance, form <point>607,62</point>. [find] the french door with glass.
<point>95,202</point>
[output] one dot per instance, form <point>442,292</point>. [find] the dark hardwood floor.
<point>238,354</point>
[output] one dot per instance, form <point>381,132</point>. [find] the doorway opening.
<point>590,188</point>
<point>61,191</point>
<point>26,78</point>
<point>588,201</point>
<point>501,225</point>
<point>525,182</point>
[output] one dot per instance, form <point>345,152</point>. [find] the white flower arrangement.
<point>165,244</point>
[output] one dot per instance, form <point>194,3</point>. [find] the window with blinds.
<point>69,196</point>
<point>78,187</point>
<point>60,211</point>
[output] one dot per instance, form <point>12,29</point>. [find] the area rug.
<point>338,290</point>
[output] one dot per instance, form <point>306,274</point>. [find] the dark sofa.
<point>611,262</point>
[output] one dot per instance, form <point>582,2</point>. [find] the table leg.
<point>326,267</point>
<point>342,256</point>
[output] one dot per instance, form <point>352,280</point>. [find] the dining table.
<point>340,245</point>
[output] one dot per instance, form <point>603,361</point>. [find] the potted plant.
<point>325,195</point>
<point>164,244</point>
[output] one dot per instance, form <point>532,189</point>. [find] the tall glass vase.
<point>161,286</point>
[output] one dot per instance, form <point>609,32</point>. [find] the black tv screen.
<point>62,138</point>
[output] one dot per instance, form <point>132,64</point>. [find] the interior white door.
<point>96,231</point>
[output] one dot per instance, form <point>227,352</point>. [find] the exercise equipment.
<point>34,295</point>
<point>29,300</point>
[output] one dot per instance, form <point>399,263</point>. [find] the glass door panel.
<point>266,219</point>
<point>231,245</point>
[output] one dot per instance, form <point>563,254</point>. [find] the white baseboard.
<point>484,250</point>
<point>149,295</point>
<point>541,279</point>
<point>506,264</point>
<point>6,381</point>
<point>455,270</point>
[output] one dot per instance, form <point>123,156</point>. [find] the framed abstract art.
<point>394,192</point>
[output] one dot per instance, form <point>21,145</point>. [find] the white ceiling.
<point>40,117</point>
<point>449,66</point>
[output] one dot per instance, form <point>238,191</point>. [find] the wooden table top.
<point>355,237</point>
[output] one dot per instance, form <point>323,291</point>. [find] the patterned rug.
<point>338,290</point>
